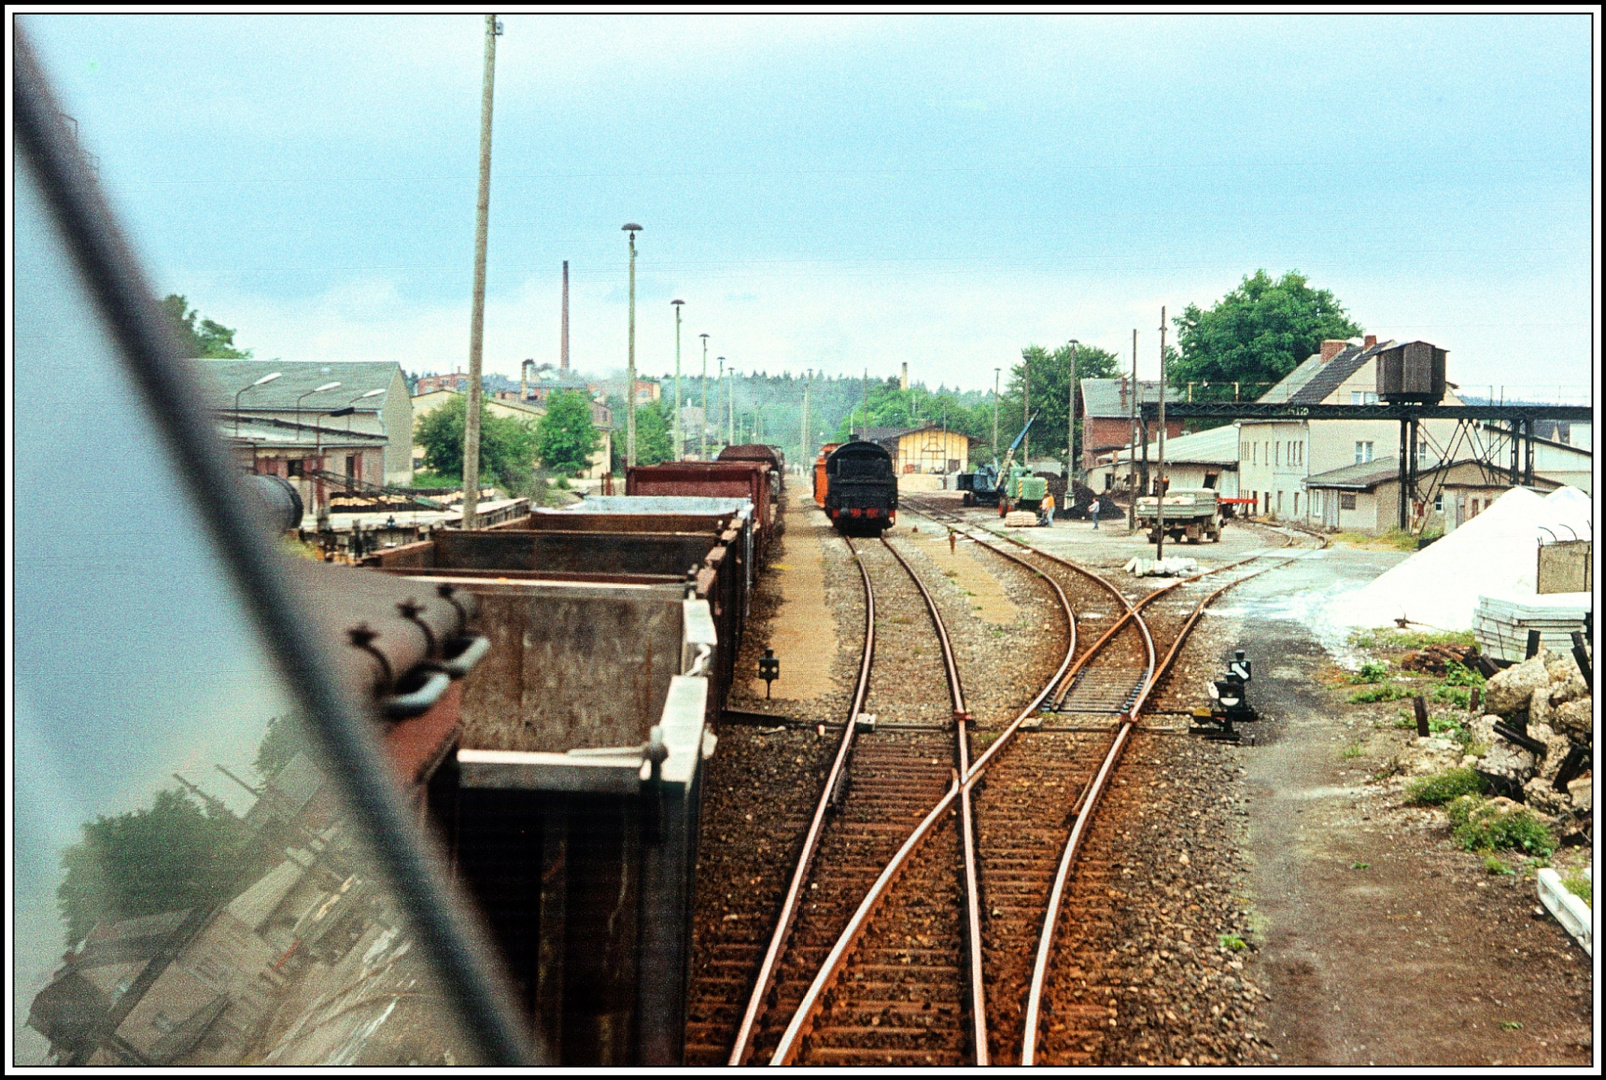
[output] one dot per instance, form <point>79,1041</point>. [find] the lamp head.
<point>325,386</point>
<point>676,303</point>
<point>372,393</point>
<point>632,227</point>
<point>267,378</point>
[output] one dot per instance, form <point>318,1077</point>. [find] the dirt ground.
<point>1378,941</point>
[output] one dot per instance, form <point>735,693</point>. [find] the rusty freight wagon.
<point>571,797</point>
<point>773,455</point>
<point>715,479</point>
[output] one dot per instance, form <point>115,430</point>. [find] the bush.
<point>1460,675</point>
<point>1371,672</point>
<point>1459,696</point>
<point>1384,692</point>
<point>1581,887</point>
<point>1440,788</point>
<point>1479,825</point>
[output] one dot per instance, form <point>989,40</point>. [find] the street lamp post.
<point>309,393</point>
<point>1026,412</point>
<point>680,446</point>
<point>702,434</point>
<point>630,376</point>
<point>260,382</point>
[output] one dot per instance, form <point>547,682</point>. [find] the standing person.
<point>1045,512</point>
<point>1093,512</point>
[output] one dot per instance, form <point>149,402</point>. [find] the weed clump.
<point>1371,672</point>
<point>1581,887</point>
<point>1382,692</point>
<point>1484,825</point>
<point>1444,787</point>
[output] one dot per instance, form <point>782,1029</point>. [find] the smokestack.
<point>903,380</point>
<point>524,381</point>
<point>563,355</point>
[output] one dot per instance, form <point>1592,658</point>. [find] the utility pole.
<point>630,376</point>
<point>476,332</point>
<point>680,444</point>
<point>996,373</point>
<point>866,391</point>
<point>1070,429</point>
<point>1025,414</point>
<point>1159,480</point>
<point>563,347</point>
<point>1132,451</point>
<point>803,458</point>
<point>702,436</point>
<point>730,408</point>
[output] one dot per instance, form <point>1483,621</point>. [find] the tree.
<point>174,855</point>
<point>654,443</point>
<point>284,738</point>
<point>565,438</point>
<point>207,339</point>
<point>507,446</point>
<point>1255,335</point>
<point>1050,394</point>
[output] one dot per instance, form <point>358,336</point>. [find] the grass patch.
<point>1389,638</point>
<point>1493,865</point>
<point>1360,866</point>
<point>1460,675</point>
<point>1581,887</point>
<point>1232,943</point>
<point>1511,1025</point>
<point>1371,672</point>
<point>1458,696</point>
<point>1381,692</point>
<point>1444,787</point>
<point>1353,750</point>
<point>422,479</point>
<point>1478,825</point>
<point>1437,725</point>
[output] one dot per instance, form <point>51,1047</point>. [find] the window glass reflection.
<point>188,889</point>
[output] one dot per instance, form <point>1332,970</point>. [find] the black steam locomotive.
<point>861,489</point>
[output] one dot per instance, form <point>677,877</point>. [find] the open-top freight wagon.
<point>754,480</point>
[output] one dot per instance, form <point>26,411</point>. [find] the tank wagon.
<point>861,490</point>
<point>819,472</point>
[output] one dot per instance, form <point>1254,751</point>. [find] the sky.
<point>850,192</point>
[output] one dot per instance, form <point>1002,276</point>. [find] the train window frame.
<point>98,253</point>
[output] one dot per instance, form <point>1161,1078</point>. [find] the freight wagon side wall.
<point>569,668</point>
<point>587,552</point>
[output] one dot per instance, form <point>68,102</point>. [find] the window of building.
<point>294,465</point>
<point>1277,452</point>
<point>1346,502</point>
<point>1279,502</point>
<point>1363,452</point>
<point>1296,504</point>
<point>1363,397</point>
<point>1438,502</point>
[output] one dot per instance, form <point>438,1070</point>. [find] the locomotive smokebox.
<point>280,501</point>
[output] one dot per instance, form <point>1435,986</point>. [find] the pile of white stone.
<point>1549,696</point>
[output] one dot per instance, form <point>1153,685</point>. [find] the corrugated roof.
<point>1366,475</point>
<point>1218,446</point>
<point>221,379</point>
<point>1101,398</point>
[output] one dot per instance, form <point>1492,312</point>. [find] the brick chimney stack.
<point>563,353</point>
<point>1332,347</point>
<point>1371,339</point>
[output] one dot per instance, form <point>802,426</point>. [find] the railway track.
<point>894,950</point>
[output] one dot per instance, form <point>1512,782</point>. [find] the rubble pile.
<point>1436,659</point>
<point>1544,702</point>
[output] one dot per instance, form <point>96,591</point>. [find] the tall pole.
<point>476,333</point>
<point>680,445</point>
<point>866,391</point>
<point>996,373</point>
<point>730,408</point>
<point>1025,413</point>
<point>720,386</point>
<point>1159,480</point>
<point>630,374</point>
<point>1132,450</point>
<point>803,458</point>
<point>702,436</point>
<point>1070,427</point>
